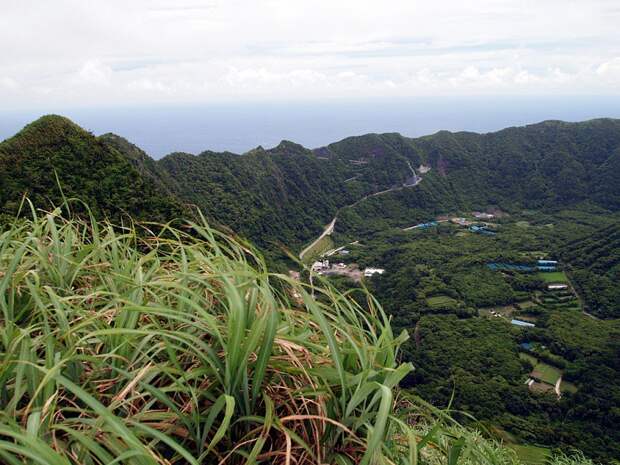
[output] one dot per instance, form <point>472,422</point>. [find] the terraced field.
<point>546,373</point>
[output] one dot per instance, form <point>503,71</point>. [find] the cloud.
<point>149,51</point>
<point>8,83</point>
<point>609,68</point>
<point>94,72</point>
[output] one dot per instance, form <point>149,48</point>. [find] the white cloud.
<point>8,83</point>
<point>608,68</point>
<point>147,51</point>
<point>94,72</point>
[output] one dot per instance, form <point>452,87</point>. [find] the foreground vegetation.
<point>127,346</point>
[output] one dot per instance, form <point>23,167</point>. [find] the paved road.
<point>326,232</point>
<point>330,227</point>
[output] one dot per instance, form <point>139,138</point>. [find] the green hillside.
<point>280,196</point>
<point>595,261</point>
<point>53,156</point>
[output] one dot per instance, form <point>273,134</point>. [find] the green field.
<point>440,301</point>
<point>326,243</point>
<point>553,277</point>
<point>531,455</point>
<point>546,373</point>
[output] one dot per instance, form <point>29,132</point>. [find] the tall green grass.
<point>119,345</point>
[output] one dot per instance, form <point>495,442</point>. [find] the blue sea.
<point>236,127</point>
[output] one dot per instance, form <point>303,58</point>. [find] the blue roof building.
<point>546,268</point>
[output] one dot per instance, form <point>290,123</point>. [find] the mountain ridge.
<point>283,196</point>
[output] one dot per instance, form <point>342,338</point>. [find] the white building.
<point>319,266</point>
<point>555,287</point>
<point>372,271</point>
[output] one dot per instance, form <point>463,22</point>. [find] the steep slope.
<point>53,153</point>
<point>549,164</point>
<point>595,259</point>
<point>282,195</point>
<point>144,164</point>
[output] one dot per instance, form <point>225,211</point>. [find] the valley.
<point>499,254</point>
<point>464,276</point>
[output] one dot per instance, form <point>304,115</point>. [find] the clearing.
<point>553,277</point>
<point>319,246</point>
<point>440,301</point>
<point>546,373</point>
<point>531,455</point>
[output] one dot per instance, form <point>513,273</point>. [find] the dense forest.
<point>53,158</point>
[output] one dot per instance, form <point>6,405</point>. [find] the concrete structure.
<point>372,271</point>
<point>320,266</point>
<point>557,287</point>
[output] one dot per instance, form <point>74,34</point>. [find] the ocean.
<point>238,127</point>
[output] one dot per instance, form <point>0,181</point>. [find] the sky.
<point>85,53</point>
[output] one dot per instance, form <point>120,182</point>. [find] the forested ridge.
<point>285,194</point>
<point>54,158</point>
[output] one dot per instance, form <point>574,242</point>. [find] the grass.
<point>127,346</point>
<point>323,245</point>
<point>546,373</point>
<point>532,455</point>
<point>553,277</point>
<point>440,301</point>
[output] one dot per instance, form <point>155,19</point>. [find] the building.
<point>373,271</point>
<point>522,323</point>
<point>460,221</point>
<point>546,268</point>
<point>320,266</point>
<point>426,225</point>
<point>483,216</point>
<point>557,287</point>
<point>481,230</point>
<point>547,263</point>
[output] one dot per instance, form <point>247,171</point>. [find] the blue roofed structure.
<point>546,268</point>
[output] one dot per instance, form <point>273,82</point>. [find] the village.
<point>326,266</point>
<point>556,295</point>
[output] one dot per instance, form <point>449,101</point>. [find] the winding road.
<point>330,227</point>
